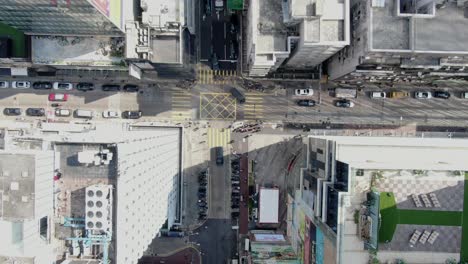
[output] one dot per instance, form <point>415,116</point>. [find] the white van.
<point>464,95</point>
<point>378,95</point>
<point>62,112</point>
<point>84,113</point>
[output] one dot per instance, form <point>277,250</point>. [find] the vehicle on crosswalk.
<point>238,95</point>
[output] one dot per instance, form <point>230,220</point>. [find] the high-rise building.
<point>294,34</point>
<point>404,41</point>
<point>381,198</point>
<point>106,192</point>
<point>64,17</point>
<point>26,206</point>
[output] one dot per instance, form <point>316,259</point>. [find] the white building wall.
<point>44,193</point>
<point>146,189</point>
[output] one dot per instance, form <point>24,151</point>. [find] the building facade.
<point>63,17</point>
<point>26,198</point>
<point>398,41</point>
<point>147,189</point>
<point>354,187</point>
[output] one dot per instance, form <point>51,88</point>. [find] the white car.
<point>422,95</point>
<point>110,114</point>
<point>21,85</point>
<point>304,92</point>
<point>378,95</point>
<point>62,112</point>
<point>4,84</point>
<point>62,86</point>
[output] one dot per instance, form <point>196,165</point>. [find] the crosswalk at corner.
<point>181,105</point>
<point>208,76</point>
<point>218,137</point>
<point>253,106</point>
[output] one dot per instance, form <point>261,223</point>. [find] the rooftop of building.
<point>445,31</point>
<point>386,153</point>
<point>17,186</point>
<point>270,29</point>
<point>157,13</point>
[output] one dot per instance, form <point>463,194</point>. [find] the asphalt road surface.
<point>219,188</point>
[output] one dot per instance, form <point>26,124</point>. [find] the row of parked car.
<point>82,86</point>
<point>235,187</point>
<point>79,113</point>
<point>202,203</point>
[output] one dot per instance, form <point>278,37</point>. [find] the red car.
<point>58,97</point>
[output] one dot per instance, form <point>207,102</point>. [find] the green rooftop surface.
<point>18,39</point>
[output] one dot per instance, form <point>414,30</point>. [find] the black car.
<point>111,87</point>
<point>85,87</point>
<point>12,111</point>
<point>306,103</point>
<point>441,94</point>
<point>202,189</point>
<point>35,111</point>
<point>344,103</point>
<point>131,88</point>
<point>131,114</point>
<point>42,85</point>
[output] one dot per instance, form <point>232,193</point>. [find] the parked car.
<point>62,112</point>
<point>42,85</point>
<point>131,88</point>
<point>20,85</point>
<point>131,114</point>
<point>422,95</point>
<point>344,103</point>
<point>306,103</point>
<point>378,95</point>
<point>62,86</point>
<point>442,94</point>
<point>110,114</point>
<point>304,92</point>
<point>12,111</point>
<point>35,111</point>
<point>81,113</point>
<point>464,95</point>
<point>397,94</point>
<point>4,84</point>
<point>85,87</point>
<point>110,87</point>
<point>58,97</point>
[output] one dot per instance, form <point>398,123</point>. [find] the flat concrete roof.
<point>402,153</point>
<point>269,206</point>
<point>271,32</point>
<point>444,32</point>
<point>166,49</point>
<point>17,186</point>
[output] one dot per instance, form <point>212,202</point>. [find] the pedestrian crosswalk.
<point>253,106</point>
<point>181,105</point>
<point>208,76</point>
<point>218,137</point>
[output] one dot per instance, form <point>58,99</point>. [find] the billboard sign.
<point>112,9</point>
